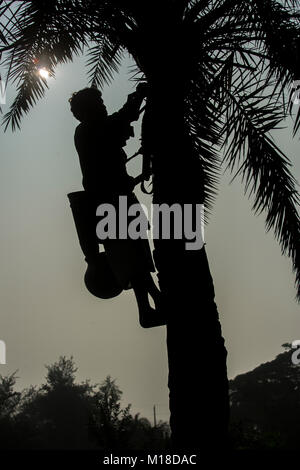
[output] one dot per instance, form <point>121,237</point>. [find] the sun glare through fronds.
<point>43,72</point>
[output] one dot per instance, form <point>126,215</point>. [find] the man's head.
<point>87,105</point>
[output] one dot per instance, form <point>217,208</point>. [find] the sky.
<point>46,311</point>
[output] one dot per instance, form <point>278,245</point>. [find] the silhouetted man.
<point>99,141</point>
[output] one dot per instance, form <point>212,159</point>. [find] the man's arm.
<point>131,109</point>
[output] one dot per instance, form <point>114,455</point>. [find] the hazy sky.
<point>46,310</point>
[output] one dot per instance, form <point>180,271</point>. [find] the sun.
<point>44,73</point>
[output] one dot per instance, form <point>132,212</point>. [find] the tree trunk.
<point>196,353</point>
<point>198,383</point>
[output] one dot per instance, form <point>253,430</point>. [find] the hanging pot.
<point>99,278</point>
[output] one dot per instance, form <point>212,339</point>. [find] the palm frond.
<point>104,60</point>
<point>196,8</point>
<point>9,10</point>
<point>265,169</point>
<point>45,34</point>
<point>267,28</point>
<point>135,74</point>
<point>203,119</point>
<point>266,172</point>
<point>54,32</point>
<point>205,148</point>
<point>28,92</point>
<point>291,3</point>
<point>240,89</point>
<point>280,33</point>
<point>249,89</point>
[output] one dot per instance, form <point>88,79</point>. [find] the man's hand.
<point>131,109</point>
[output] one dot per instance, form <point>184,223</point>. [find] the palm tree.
<point>219,74</point>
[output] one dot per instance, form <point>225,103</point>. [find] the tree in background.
<point>219,72</point>
<point>9,406</point>
<point>265,405</point>
<point>62,414</point>
<point>56,414</point>
<point>110,420</point>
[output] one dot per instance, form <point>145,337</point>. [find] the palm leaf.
<point>104,60</point>
<point>280,33</point>
<point>28,92</point>
<point>40,34</point>
<point>203,115</point>
<point>265,169</point>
